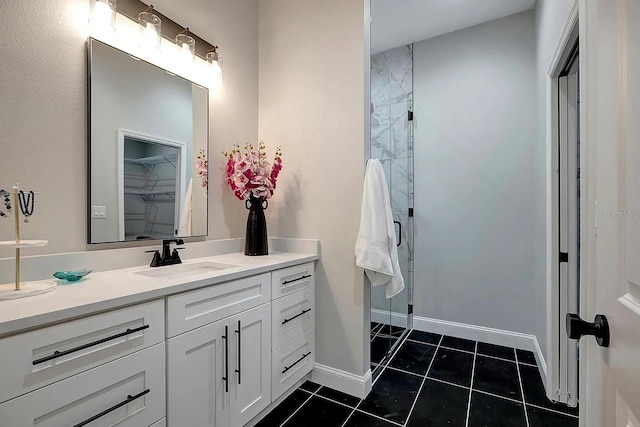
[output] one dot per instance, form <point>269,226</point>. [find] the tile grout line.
<point>479,353</point>
<point>473,372</point>
<point>524,403</point>
<point>378,417</point>
<point>555,411</point>
<point>350,415</point>
<point>297,409</point>
<point>423,381</point>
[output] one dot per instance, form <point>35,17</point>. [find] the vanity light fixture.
<point>186,46</point>
<point>215,59</point>
<point>102,14</point>
<point>150,29</point>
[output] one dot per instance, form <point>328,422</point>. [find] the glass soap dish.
<point>71,276</point>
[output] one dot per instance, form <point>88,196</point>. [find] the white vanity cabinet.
<point>105,369</point>
<point>219,375</point>
<point>293,319</point>
<point>214,356</point>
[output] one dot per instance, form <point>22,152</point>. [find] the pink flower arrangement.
<point>250,173</point>
<point>202,167</point>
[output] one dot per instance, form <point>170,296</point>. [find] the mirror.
<point>147,130</point>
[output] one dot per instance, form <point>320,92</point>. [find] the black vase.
<point>256,238</point>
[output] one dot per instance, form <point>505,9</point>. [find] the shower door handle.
<point>399,232</point>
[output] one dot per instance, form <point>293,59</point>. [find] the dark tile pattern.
<point>319,412</point>
<point>492,411</point>
<point>339,396</point>
<point>426,337</point>
<point>284,409</point>
<point>497,376</point>
<point>361,419</point>
<point>440,404</point>
<point>310,386</point>
<point>527,357</point>
<point>452,366</point>
<point>413,357</point>
<point>543,418</point>
<point>459,344</point>
<point>428,385</point>
<point>392,395</point>
<point>496,351</point>
<point>534,392</point>
<point>379,347</point>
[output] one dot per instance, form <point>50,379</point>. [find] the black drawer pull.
<point>57,353</point>
<point>295,280</point>
<point>295,363</point>
<point>297,315</point>
<point>113,408</point>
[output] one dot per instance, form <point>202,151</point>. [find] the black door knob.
<point>577,328</point>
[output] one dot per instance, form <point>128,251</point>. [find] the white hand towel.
<point>376,249</point>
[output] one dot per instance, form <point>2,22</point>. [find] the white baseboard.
<point>381,316</point>
<point>484,334</point>
<point>345,382</point>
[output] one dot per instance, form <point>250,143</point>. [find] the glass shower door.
<point>392,144</point>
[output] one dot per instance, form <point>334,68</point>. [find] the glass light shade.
<point>215,59</point>
<point>150,30</point>
<point>102,14</point>
<point>186,47</point>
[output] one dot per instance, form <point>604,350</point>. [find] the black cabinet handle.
<point>297,315</point>
<point>295,363</point>
<point>113,408</point>
<point>225,337</point>
<point>239,332</point>
<point>57,353</point>
<point>306,276</point>
<point>399,232</point>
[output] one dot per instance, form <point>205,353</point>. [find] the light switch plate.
<point>98,212</point>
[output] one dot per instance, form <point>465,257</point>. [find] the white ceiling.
<point>399,22</point>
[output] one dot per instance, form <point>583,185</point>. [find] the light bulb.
<point>102,11</point>
<point>149,36</point>
<point>103,15</point>
<point>216,71</point>
<point>185,52</point>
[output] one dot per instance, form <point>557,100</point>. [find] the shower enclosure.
<point>392,144</point>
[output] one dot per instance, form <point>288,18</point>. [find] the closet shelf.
<point>153,160</point>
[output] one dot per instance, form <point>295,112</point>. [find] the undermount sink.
<point>179,271</point>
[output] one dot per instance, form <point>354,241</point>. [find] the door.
<point>565,379</point>
<point>251,377</point>
<point>610,377</point>
<point>198,363</point>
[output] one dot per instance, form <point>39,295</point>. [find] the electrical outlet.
<point>98,212</point>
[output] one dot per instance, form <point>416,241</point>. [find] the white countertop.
<point>107,290</point>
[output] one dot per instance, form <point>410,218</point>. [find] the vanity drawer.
<point>292,279</point>
<point>128,392</point>
<point>194,309</point>
<point>38,358</point>
<point>291,362</point>
<point>292,315</point>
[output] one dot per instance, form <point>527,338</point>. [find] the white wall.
<point>313,72</point>
<point>475,131</point>
<point>550,19</point>
<point>43,140</point>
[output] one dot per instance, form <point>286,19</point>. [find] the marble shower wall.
<point>392,144</point>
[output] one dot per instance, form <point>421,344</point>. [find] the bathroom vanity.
<point>211,342</point>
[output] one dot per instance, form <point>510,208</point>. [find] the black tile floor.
<point>434,381</point>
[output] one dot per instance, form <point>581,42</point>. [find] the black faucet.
<point>167,257</point>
